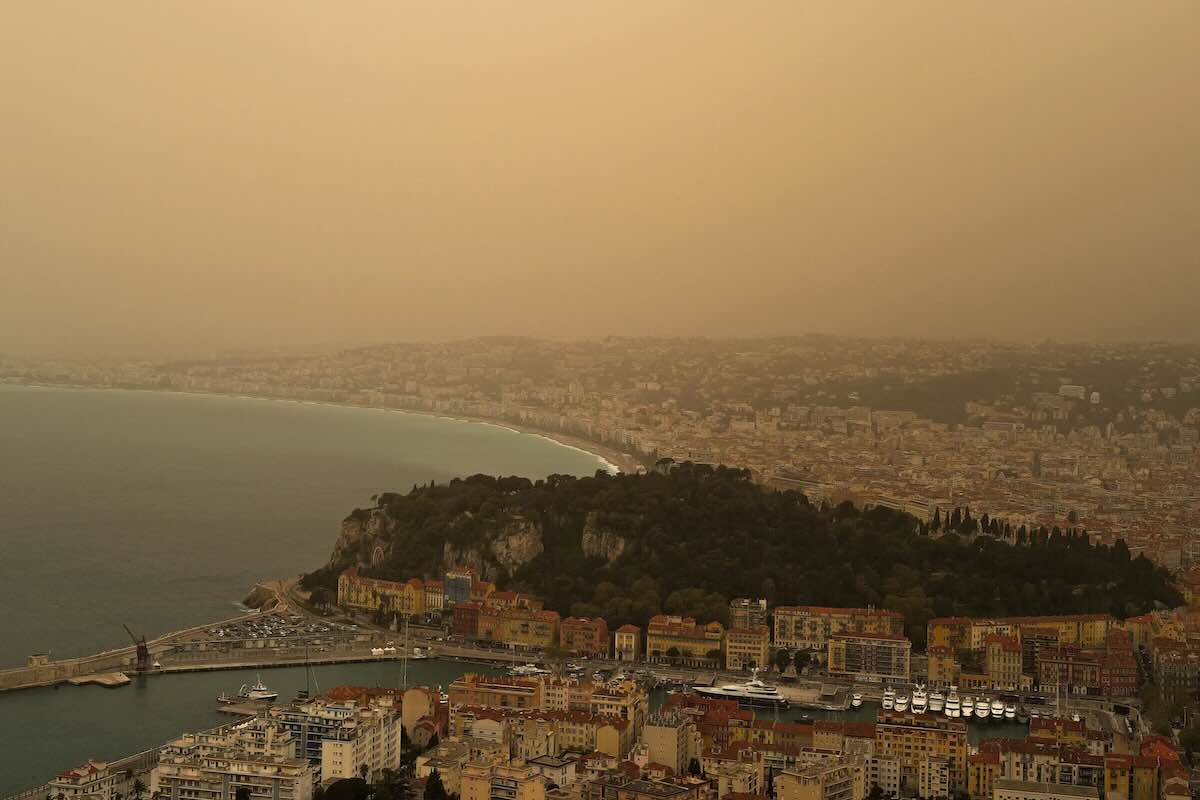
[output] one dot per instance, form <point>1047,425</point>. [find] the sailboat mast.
<point>404,662</point>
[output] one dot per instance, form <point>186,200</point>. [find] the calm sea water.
<point>161,510</point>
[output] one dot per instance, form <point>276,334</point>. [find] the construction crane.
<point>143,652</point>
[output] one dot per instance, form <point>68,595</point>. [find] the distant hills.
<point>630,546</point>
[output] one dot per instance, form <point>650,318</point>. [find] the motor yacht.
<point>753,692</point>
<point>937,703</point>
<point>998,709</point>
<point>920,699</point>
<point>902,702</point>
<point>889,699</point>
<point>856,700</point>
<point>983,709</point>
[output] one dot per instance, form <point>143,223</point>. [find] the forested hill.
<point>627,547</point>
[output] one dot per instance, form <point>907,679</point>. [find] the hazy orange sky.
<point>182,177</point>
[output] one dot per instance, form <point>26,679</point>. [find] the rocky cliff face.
<point>362,542</point>
<point>513,546</point>
<point>599,541</point>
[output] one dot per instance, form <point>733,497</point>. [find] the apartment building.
<point>621,699</point>
<point>667,736</point>
<point>581,636</point>
<point>618,786</point>
<point>488,691</point>
<point>371,594</point>
<point>839,778</point>
<point>878,657</point>
<point>627,643</point>
<point>681,640</point>
<point>371,736</point>
<point>748,648</point>
<point>745,612</point>
<point>517,626</point>
<point>1002,661</point>
<point>809,627</point>
<point>1010,789</point>
<point>93,780</point>
<point>514,781</point>
<point>911,738</point>
<point>257,756</point>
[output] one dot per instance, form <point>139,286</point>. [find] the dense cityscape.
<point>1036,446</point>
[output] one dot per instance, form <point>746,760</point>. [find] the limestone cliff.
<point>511,547</point>
<point>364,540</point>
<point>601,541</point>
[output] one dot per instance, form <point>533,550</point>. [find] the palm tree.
<point>138,788</point>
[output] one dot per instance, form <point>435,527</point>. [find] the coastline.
<point>610,458</point>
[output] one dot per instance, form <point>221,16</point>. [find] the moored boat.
<point>937,703</point>
<point>753,692</point>
<point>997,709</point>
<point>1010,711</point>
<point>968,706</point>
<point>920,699</point>
<point>902,702</point>
<point>856,700</point>
<point>257,691</point>
<point>983,709</point>
<point>889,699</point>
<point>953,704</point>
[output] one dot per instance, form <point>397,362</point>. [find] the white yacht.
<point>968,706</point>
<point>983,709</point>
<point>889,699</point>
<point>528,671</point>
<point>953,704</point>
<point>1010,711</point>
<point>419,654</point>
<point>257,691</point>
<point>937,703</point>
<point>902,702</point>
<point>856,700</point>
<point>751,693</point>
<point>920,699</point>
<point>998,710</point>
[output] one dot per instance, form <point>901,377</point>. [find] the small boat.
<point>1023,715</point>
<point>224,698</point>
<point>902,702</point>
<point>419,654</point>
<point>889,699</point>
<point>968,706</point>
<point>257,691</point>
<point>856,700</point>
<point>1010,711</point>
<point>983,709</point>
<point>1075,717</point>
<point>156,665</point>
<point>937,703</point>
<point>997,709</point>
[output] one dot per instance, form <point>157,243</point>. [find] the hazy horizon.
<point>191,178</point>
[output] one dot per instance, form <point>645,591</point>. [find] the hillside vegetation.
<point>627,547</point>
